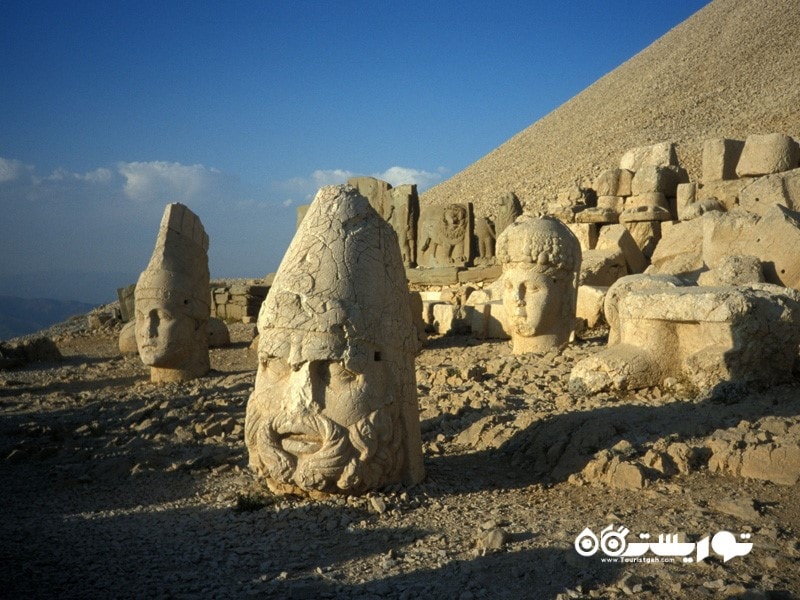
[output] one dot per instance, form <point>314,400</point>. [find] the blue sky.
<point>241,110</point>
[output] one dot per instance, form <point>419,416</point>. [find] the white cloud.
<point>306,187</point>
<point>288,202</point>
<point>12,169</point>
<point>402,175</point>
<point>167,182</point>
<point>100,175</point>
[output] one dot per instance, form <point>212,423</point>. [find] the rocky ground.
<point>113,487</point>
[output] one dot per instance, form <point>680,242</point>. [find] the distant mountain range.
<point>20,316</point>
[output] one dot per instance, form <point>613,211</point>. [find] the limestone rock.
<point>704,335</point>
<point>602,267</point>
<point>720,157</point>
<point>337,326</point>
<point>657,155</point>
<point>768,153</point>
<point>618,237</point>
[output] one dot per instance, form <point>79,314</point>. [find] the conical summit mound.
<point>730,70</point>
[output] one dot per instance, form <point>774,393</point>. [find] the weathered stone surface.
<point>127,302</point>
<point>449,319</point>
<point>780,188</point>
<point>541,259</point>
<point>680,249</point>
<point>590,304</point>
<point>624,286</point>
<point>685,196</point>
<point>726,192</point>
<point>772,239</point>
<point>218,334</point>
<point>698,209</point>
<point>484,240</point>
<point>597,215</point>
<point>302,209</point>
<point>645,233</point>
<point>720,157</point>
<point>444,236</point>
<point>734,270</point>
<point>586,233</point>
<point>480,274</point>
<point>437,276</point>
<point>127,339</point>
<point>487,321</point>
<point>508,209</point>
<point>703,335</point>
<point>18,354</point>
<point>657,155</point>
<point>665,180</point>
<point>647,206</point>
<point>377,191</point>
<point>602,267</point>
<point>415,304</point>
<point>402,213</point>
<point>614,237</point>
<point>613,182</point>
<point>768,153</point>
<point>337,326</point>
<point>173,300</point>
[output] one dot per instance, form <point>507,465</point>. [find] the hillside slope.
<point>730,70</point>
<point>20,316</point>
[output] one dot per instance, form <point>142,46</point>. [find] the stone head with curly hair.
<point>541,260</point>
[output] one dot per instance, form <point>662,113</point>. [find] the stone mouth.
<point>300,443</point>
<point>299,436</point>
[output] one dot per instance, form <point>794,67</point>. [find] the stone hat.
<point>177,273</point>
<point>545,243</point>
<point>340,291</point>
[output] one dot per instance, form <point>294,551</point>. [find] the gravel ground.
<point>114,487</point>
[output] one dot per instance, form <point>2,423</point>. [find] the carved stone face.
<point>334,407</point>
<point>330,423</point>
<point>532,299</point>
<point>164,334</point>
<point>541,260</point>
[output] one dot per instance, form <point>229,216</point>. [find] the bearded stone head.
<point>334,407</point>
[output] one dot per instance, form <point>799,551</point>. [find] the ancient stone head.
<point>334,407</point>
<point>541,260</point>
<point>172,300</point>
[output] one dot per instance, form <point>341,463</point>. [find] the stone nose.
<point>153,321</point>
<point>301,389</point>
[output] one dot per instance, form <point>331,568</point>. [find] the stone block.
<point>720,157</point>
<point>727,234</point>
<point>781,188</point>
<point>734,270</point>
<point>449,319</point>
<point>487,321</point>
<point>602,267</point>
<point>680,249</point>
<point>706,336</point>
<point>658,155</point>
<point>685,196</point>
<point>614,237</point>
<point>726,192</point>
<point>488,273</point>
<point>415,303</point>
<point>127,303</point>
<point>439,276</point>
<point>218,334</point>
<point>658,179</point>
<point>586,234</point>
<point>127,339</point>
<point>590,304</point>
<point>613,182</point>
<point>768,153</point>
<point>645,233</point>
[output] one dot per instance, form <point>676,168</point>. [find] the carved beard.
<point>454,231</point>
<point>351,460</point>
